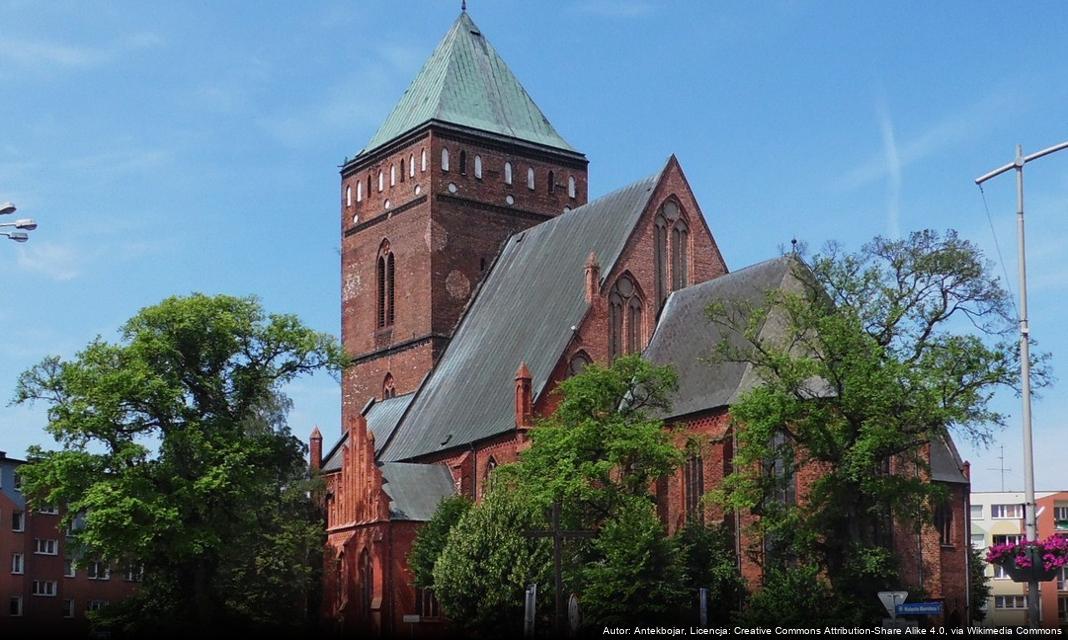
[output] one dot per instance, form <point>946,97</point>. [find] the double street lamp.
<point>21,226</point>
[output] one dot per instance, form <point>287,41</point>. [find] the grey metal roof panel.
<point>946,465</point>
<point>523,311</point>
<point>686,339</point>
<point>415,490</point>
<point>466,82</point>
<point>382,417</point>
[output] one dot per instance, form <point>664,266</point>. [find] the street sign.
<point>890,600</point>
<point>920,609</point>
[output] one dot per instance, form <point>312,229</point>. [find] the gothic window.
<point>943,517</point>
<point>422,160</point>
<point>624,318</point>
<point>411,166</point>
<point>694,478</point>
<point>780,468</point>
<point>444,160</point>
<point>487,480</point>
<point>578,363</point>
<point>463,163</point>
<point>507,173</point>
<point>389,390</point>
<point>384,272</point>
<point>339,578</point>
<point>530,178</point>
<point>348,196</point>
<point>381,181</point>
<point>552,182</point>
<point>368,185</point>
<point>478,167</point>
<point>367,575</point>
<point>660,255</point>
<point>679,267</point>
<point>401,176</point>
<point>359,191</point>
<point>571,187</point>
<point>392,175</point>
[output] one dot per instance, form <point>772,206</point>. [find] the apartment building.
<point>43,586</point>
<point>997,517</point>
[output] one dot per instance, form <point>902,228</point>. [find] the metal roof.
<point>687,340</point>
<point>382,417</point>
<point>415,490</point>
<point>466,83</point>
<point>524,311</point>
<point>946,465</point>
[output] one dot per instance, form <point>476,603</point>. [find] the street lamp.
<point>23,224</point>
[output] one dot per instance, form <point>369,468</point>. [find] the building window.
<point>411,166</point>
<point>381,181</point>
<point>478,167</point>
<point>1060,513</point>
<point>1006,511</point>
<point>507,173</point>
<point>14,607</point>
<point>422,160</point>
<point>18,563</point>
<point>1062,579</point>
<point>367,577</point>
<point>1008,539</point>
<point>46,547</point>
<point>18,521</point>
<point>428,604</point>
<point>530,178</point>
<point>680,264</point>
<point>46,588</point>
<point>660,256</point>
<point>402,170</point>
<point>625,318</point>
<point>977,512</point>
<point>388,388</point>
<point>348,195</point>
<point>98,570</point>
<point>578,363</point>
<point>1010,602</point>
<point>392,175</point>
<point>943,521</point>
<point>671,223</point>
<point>385,279</point>
<point>18,482</point>
<point>444,160</point>
<point>463,162</point>
<point>68,608</point>
<point>1062,610</point>
<point>49,510</point>
<point>97,605</point>
<point>694,478</point>
<point>571,187</point>
<point>359,191</point>
<point>978,540</point>
<point>552,182</point>
<point>134,573</point>
<point>69,569</point>
<point>1000,573</point>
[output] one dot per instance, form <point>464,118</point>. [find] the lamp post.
<point>1030,524</point>
<point>21,226</point>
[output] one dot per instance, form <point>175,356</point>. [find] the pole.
<point>1030,525</point>
<point>1031,531</point>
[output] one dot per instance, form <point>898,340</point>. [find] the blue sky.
<point>166,148</point>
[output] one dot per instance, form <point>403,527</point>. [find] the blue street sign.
<point>920,609</point>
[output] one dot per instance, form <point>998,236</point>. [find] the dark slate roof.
<point>415,490</point>
<point>382,417</point>
<point>524,311</point>
<point>465,82</point>
<point>686,339</point>
<point>946,464</point>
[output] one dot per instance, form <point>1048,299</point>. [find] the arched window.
<point>392,175</point>
<point>381,181</point>
<point>401,176</point>
<point>389,390</point>
<point>444,160</point>
<point>367,577</point>
<point>671,245</point>
<point>359,191</point>
<point>422,160</point>
<point>348,196</point>
<point>368,185</point>
<point>411,166</point>
<point>507,173</point>
<point>660,258</point>
<point>571,187</point>
<point>552,182</point>
<point>694,478</point>
<point>679,264</point>
<point>463,162</point>
<point>487,479</point>
<point>478,167</point>
<point>530,178</point>
<point>578,363</point>
<point>624,317</point>
<point>384,277</point>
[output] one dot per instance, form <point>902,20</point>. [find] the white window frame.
<point>51,546</point>
<point>571,187</point>
<point>1060,512</point>
<point>134,573</point>
<point>422,160</point>
<point>18,563</point>
<point>21,515</point>
<point>96,605</point>
<point>1010,538</point>
<point>530,178</point>
<point>45,588</point>
<point>444,159</point>
<point>393,174</point>
<point>381,181</point>
<point>997,511</point>
<point>49,510</point>
<point>93,570</point>
<point>348,195</point>
<point>980,543</point>
<point>68,608</point>
<point>70,568</point>
<point>976,512</point>
<point>411,166</point>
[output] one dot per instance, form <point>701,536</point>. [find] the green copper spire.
<point>466,83</point>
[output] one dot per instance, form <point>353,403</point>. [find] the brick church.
<point>476,276</point>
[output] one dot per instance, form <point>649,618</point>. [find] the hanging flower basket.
<point>1038,560</point>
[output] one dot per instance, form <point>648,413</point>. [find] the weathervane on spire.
<point>463,6</point>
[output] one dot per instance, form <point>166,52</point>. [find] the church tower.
<point>463,161</point>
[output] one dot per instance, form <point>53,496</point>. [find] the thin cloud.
<point>893,171</point>
<point>616,8</point>
<point>59,262</point>
<point>43,53</point>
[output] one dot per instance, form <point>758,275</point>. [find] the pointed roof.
<point>534,292</point>
<point>466,83</point>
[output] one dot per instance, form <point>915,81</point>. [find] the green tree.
<point>176,457</point>
<point>431,539</point>
<point>710,562</point>
<point>979,588</point>
<point>869,357</point>
<point>794,596</point>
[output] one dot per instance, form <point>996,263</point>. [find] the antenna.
<point>1002,468</point>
